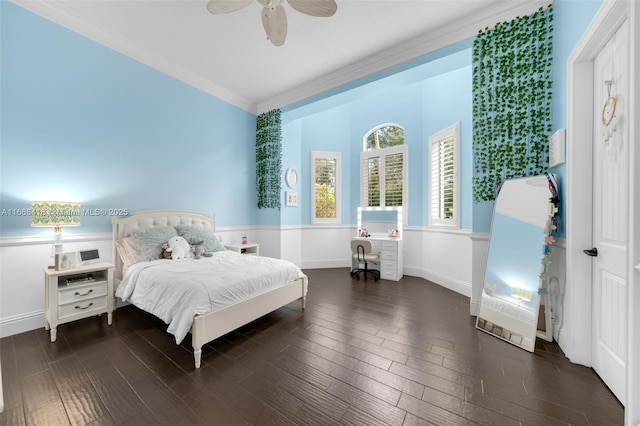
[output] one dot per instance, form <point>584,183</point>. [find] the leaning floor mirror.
<point>516,277</point>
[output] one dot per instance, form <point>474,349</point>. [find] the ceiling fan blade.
<point>275,24</point>
<point>226,6</point>
<point>320,8</point>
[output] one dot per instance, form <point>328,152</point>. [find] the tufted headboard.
<point>123,227</point>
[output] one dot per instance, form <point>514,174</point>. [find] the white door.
<point>610,211</point>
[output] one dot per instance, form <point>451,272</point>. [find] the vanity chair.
<point>362,250</point>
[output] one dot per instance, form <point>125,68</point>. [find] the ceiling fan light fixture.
<point>274,17</point>
<point>275,24</point>
<point>271,4</point>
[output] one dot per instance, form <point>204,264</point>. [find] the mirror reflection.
<point>379,221</point>
<point>510,300</point>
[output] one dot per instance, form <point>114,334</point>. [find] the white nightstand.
<point>77,293</point>
<point>250,249</point>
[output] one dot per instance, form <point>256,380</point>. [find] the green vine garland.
<point>268,159</point>
<point>511,101</point>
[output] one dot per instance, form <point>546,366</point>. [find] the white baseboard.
<point>452,284</point>
<point>21,323</point>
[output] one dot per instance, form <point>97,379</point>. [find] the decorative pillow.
<point>148,242</point>
<point>211,240</point>
<point>126,252</point>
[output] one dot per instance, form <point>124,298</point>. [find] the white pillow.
<point>127,252</point>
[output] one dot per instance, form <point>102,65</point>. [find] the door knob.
<point>591,252</point>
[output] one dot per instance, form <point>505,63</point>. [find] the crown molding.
<point>411,49</point>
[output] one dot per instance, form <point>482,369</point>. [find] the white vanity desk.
<point>390,250</point>
<point>378,222</point>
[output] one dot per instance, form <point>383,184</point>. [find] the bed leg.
<point>304,302</point>
<point>197,356</point>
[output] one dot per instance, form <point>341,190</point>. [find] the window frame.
<point>452,131</point>
<point>315,155</point>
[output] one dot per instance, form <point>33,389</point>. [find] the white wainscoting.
<point>22,262</point>
<point>326,246</point>
<point>441,256</point>
<point>282,242</point>
<point>453,259</point>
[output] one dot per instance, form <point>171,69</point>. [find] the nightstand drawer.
<point>82,308</point>
<point>78,293</point>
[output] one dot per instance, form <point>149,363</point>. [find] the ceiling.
<point>229,56</point>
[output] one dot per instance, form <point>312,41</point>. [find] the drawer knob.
<point>84,294</point>
<point>86,307</point>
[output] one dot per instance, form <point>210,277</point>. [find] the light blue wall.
<point>81,122</point>
<point>342,129</point>
<point>425,95</point>
<point>424,99</point>
<point>324,131</point>
<point>447,99</point>
<point>291,157</point>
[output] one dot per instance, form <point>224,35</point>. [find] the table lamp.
<point>55,214</point>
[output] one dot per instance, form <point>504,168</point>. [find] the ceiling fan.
<point>274,18</point>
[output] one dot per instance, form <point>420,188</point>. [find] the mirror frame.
<point>538,213</point>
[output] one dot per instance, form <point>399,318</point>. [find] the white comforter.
<point>175,290</point>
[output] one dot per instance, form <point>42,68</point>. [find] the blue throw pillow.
<point>211,241</point>
<point>149,241</point>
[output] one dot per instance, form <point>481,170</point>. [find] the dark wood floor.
<point>362,353</point>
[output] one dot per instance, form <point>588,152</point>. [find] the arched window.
<point>383,168</point>
<point>384,137</point>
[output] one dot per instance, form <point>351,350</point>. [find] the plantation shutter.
<point>383,169</point>
<point>393,167</point>
<point>370,180</point>
<point>443,177</point>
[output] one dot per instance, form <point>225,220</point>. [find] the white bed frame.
<point>209,326</point>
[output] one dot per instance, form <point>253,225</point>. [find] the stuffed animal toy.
<point>179,248</point>
<point>166,253</point>
<point>197,248</point>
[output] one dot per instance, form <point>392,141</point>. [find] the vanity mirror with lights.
<point>383,226</point>
<point>515,285</point>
